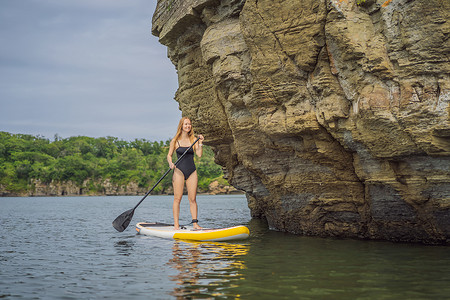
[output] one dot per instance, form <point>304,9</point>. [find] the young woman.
<point>185,171</point>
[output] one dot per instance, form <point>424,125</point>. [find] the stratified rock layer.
<point>333,117</point>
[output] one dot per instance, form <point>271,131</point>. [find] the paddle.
<point>122,221</point>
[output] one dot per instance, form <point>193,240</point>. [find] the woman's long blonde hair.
<point>180,130</point>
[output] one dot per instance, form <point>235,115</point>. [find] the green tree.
<point>81,159</point>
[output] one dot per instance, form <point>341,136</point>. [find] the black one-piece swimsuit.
<point>186,165</point>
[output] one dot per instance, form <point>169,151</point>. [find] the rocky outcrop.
<point>105,187</point>
<point>218,188</point>
<point>88,188</point>
<point>333,117</point>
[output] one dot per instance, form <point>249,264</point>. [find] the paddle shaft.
<point>165,174</point>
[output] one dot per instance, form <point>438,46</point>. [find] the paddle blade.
<point>121,222</point>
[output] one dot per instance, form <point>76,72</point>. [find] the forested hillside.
<point>89,162</point>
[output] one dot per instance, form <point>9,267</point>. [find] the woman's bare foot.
<point>197,227</point>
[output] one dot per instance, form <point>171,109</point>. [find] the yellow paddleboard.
<point>189,233</point>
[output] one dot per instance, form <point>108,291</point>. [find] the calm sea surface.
<point>66,248</point>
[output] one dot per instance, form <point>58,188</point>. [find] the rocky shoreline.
<point>104,188</point>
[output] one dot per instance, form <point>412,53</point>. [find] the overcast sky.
<point>85,67</point>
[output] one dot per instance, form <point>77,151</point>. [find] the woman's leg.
<point>178,185</point>
<point>191,185</point>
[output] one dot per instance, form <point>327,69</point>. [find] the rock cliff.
<point>103,187</point>
<point>332,116</point>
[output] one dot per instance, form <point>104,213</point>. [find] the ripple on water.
<point>66,248</point>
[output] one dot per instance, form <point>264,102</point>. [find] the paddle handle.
<point>167,172</point>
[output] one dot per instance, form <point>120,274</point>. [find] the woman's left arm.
<point>199,150</point>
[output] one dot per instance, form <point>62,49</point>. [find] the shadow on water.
<point>275,265</point>
<point>124,247</point>
<point>283,265</point>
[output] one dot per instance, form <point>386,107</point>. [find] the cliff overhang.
<point>332,116</point>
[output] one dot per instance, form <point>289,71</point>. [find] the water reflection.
<point>206,269</point>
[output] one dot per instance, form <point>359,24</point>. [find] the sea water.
<point>66,248</point>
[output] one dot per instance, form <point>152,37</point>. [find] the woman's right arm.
<point>169,155</point>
